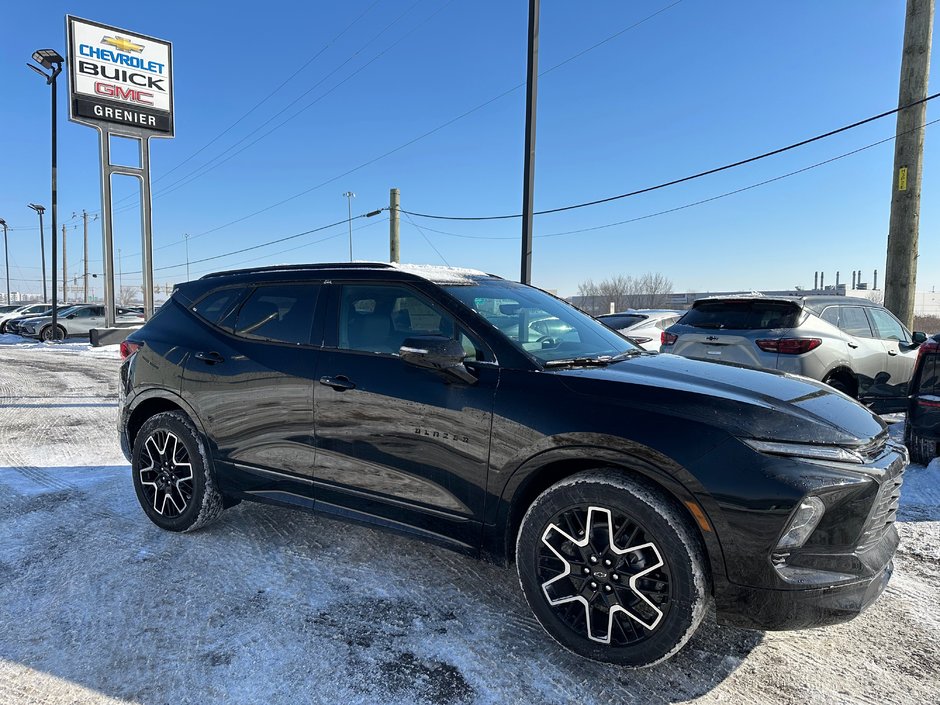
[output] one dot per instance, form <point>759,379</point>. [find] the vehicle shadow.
<point>279,606</point>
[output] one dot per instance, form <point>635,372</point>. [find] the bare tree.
<point>128,295</point>
<point>651,290</point>
<point>876,296</point>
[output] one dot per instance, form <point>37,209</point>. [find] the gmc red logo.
<point>130,94</point>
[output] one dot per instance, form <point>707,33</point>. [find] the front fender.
<point>563,455</point>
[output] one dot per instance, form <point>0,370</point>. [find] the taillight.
<point>928,403</point>
<point>925,349</point>
<point>128,348</point>
<point>789,346</point>
<point>639,340</point>
<point>668,338</point>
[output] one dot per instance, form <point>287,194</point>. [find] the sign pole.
<point>107,242</point>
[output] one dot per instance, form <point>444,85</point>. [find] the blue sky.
<point>698,85</point>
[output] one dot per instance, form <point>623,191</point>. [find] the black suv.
<point>631,489</point>
<point>922,431</point>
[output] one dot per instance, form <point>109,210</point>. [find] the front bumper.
<point>756,608</point>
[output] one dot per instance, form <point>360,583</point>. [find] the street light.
<point>42,247</point>
<point>6,257</point>
<point>51,59</point>
<point>349,197</point>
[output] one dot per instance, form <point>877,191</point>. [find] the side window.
<point>217,303</point>
<point>379,317</point>
<point>887,326</point>
<point>281,313</point>
<point>831,315</point>
<point>854,321</point>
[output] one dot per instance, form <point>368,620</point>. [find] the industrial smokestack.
<point>853,279</point>
<point>815,281</point>
<point>822,280</point>
<point>837,279</point>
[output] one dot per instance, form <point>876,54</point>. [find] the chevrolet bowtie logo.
<point>122,44</point>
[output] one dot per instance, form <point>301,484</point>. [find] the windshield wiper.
<point>599,361</point>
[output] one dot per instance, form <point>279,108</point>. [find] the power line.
<point>687,205</point>
<point>344,221</point>
<point>427,239</point>
<point>684,179</point>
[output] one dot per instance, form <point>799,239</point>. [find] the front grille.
<point>884,512</point>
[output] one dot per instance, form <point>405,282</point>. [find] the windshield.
<point>544,327</point>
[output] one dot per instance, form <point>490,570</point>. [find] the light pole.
<point>6,257</point>
<point>42,248</point>
<point>349,197</point>
<point>51,60</point>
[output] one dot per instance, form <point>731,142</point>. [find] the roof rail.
<point>293,267</point>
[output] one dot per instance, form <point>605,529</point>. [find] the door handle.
<point>852,345</point>
<point>892,353</point>
<point>340,383</point>
<point>210,358</point>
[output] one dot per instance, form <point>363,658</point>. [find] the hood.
<point>748,403</point>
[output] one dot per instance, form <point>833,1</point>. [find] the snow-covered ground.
<point>276,606</point>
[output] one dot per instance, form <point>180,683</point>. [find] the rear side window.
<point>852,320</point>
<point>930,377</point>
<point>743,315</point>
<point>280,313</point>
<point>215,305</point>
<point>620,322</point>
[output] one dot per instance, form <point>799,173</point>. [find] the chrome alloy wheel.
<point>603,575</point>
<point>167,481</point>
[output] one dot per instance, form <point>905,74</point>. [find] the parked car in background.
<point>851,344</point>
<point>78,320</point>
<point>631,490</point>
<point>922,431</point>
<point>22,311</point>
<point>642,326</point>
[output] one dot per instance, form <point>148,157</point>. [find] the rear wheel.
<point>840,385</point>
<point>922,449</point>
<point>611,569</point>
<point>173,477</point>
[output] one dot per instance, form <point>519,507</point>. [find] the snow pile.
<point>76,346</point>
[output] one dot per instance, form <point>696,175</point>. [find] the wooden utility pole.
<point>901,271</point>
<point>394,241</point>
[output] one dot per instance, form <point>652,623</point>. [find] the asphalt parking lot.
<point>268,605</point>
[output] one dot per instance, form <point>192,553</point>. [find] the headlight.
<point>804,450</point>
<point>803,523</point>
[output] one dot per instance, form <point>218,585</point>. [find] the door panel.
<point>398,443</point>
<point>254,394</point>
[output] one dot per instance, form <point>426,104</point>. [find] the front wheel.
<point>173,476</point>
<point>612,569</point>
<point>46,333</point>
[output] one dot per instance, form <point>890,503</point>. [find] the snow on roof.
<point>441,275</point>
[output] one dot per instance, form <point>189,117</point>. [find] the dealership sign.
<point>119,80</point>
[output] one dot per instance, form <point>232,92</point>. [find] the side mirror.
<point>917,337</point>
<point>435,352</point>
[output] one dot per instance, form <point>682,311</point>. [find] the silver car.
<point>854,345</point>
<point>643,326</point>
<point>79,320</point>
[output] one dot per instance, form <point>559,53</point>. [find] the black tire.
<point>922,449</point>
<point>46,333</point>
<point>174,497</point>
<point>840,386</point>
<point>665,574</point>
